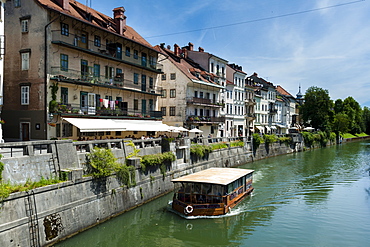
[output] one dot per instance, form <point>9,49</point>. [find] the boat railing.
<point>195,198</point>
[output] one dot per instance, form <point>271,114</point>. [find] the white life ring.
<point>189,209</point>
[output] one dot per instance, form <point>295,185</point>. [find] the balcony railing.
<point>251,115</point>
<point>204,119</point>
<point>110,50</point>
<point>250,101</point>
<point>202,101</point>
<point>100,110</point>
<point>89,77</point>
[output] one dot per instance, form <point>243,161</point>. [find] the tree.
<point>366,119</point>
<point>340,124</point>
<point>354,112</point>
<point>317,108</point>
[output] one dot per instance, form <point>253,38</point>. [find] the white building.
<point>235,105</point>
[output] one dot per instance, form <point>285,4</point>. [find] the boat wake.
<point>232,212</point>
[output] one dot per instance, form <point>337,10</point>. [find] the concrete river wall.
<point>48,214</point>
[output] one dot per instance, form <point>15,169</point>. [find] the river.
<point>313,198</point>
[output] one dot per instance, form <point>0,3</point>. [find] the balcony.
<point>205,120</point>
<point>110,112</point>
<point>273,111</point>
<point>250,102</point>
<point>202,101</point>
<point>88,78</point>
<point>250,116</point>
<point>110,51</point>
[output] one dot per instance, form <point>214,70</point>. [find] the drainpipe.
<point>46,74</point>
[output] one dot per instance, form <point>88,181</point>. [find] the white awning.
<point>273,127</point>
<point>97,125</point>
<point>260,128</point>
<point>281,126</point>
<point>267,128</point>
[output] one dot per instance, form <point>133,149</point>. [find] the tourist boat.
<point>211,192</point>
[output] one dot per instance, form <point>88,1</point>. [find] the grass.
<point>6,188</point>
<point>348,135</point>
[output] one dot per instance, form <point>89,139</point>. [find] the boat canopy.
<point>221,176</point>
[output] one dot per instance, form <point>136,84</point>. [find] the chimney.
<point>176,49</point>
<point>200,49</point>
<point>64,4</point>
<point>162,45</point>
<point>191,46</point>
<point>120,20</point>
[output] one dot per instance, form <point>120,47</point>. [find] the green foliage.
<point>135,152</point>
<point>157,159</point>
<point>257,140</point>
<point>126,174</point>
<point>318,108</point>
<point>216,146</point>
<point>332,136</point>
<point>1,168</point>
<point>287,140</point>
<point>101,162</point>
<point>6,188</point>
<point>237,144</point>
<point>53,102</point>
<point>308,138</point>
<point>366,119</point>
<point>341,123</point>
<point>201,150</point>
<point>270,138</point>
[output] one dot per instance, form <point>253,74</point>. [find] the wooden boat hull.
<point>208,209</point>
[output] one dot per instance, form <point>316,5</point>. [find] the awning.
<point>273,127</point>
<point>97,125</point>
<point>280,126</point>
<point>267,128</point>
<point>260,128</point>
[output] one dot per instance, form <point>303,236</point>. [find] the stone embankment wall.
<point>45,215</point>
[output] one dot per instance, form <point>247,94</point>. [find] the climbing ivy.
<point>1,168</point>
<point>53,102</point>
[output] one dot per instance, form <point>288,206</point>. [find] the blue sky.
<point>322,43</point>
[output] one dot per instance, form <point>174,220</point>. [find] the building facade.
<point>191,95</point>
<point>2,58</point>
<point>74,62</point>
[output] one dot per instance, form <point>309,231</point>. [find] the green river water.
<point>313,198</point>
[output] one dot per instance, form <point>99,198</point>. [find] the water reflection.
<point>296,197</point>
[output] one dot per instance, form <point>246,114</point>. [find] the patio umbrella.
<point>195,130</point>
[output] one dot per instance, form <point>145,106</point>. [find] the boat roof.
<point>221,176</point>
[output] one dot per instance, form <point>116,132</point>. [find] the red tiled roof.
<point>80,11</point>
<point>282,91</point>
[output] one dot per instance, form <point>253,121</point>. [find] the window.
<point>24,24</point>
<point>163,77</point>
<point>136,104</point>
<point>151,83</point>
<point>25,60</point>
<point>84,68</point>
<point>173,76</point>
<point>109,72</point>
<point>201,95</point>
<point>128,51</point>
<point>164,93</point>
<point>172,110</point>
<point>63,62</point>
<point>136,54</point>
<point>143,59</point>
<point>212,66</point>
<point>118,72</point>
<point>64,29</point>
<point>17,3</point>
<point>97,41</point>
<point>152,62</point>
<point>172,93</point>
<point>64,95</point>
<point>163,110</point>
<point>25,95</point>
<point>97,70</point>
<point>196,94</point>
<point>136,78</point>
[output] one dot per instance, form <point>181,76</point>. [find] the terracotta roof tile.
<point>80,11</point>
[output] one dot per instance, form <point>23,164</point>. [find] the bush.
<point>287,140</point>
<point>237,144</point>
<point>126,174</point>
<point>101,162</point>
<point>157,159</point>
<point>201,150</point>
<point>219,145</point>
<point>270,138</point>
<point>1,169</point>
<point>257,140</point>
